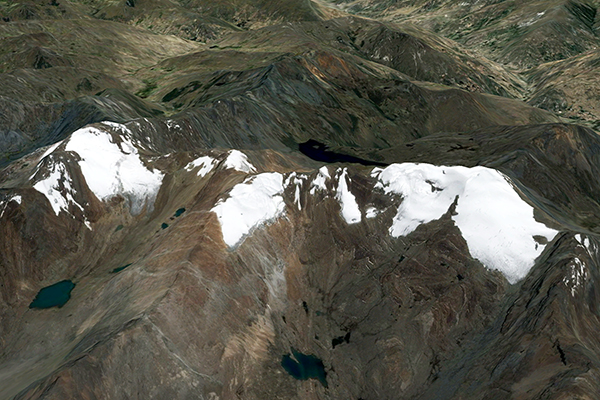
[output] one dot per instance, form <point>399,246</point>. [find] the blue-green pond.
<point>55,295</point>
<point>303,367</point>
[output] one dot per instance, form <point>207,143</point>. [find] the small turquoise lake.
<point>55,295</point>
<point>304,367</point>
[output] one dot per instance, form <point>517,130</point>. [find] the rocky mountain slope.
<point>298,200</point>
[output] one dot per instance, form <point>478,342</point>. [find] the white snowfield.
<point>51,188</point>
<point>206,164</point>
<point>238,161</point>
<point>297,180</point>
<point>110,168</point>
<point>578,270</point>
<point>3,204</point>
<point>496,223</point>
<point>16,198</point>
<point>259,199</point>
<point>349,207</point>
<point>235,160</point>
<point>251,203</point>
<point>51,149</point>
<point>498,226</point>
<point>586,244</point>
<point>319,182</point>
<point>577,277</point>
<point>371,212</point>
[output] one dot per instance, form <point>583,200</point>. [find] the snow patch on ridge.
<point>255,201</point>
<point>297,180</point>
<point>577,277</point>
<point>371,212</point>
<point>205,163</point>
<point>172,124</point>
<point>118,127</point>
<point>16,198</point>
<point>58,189</point>
<point>349,207</point>
<point>319,182</point>
<point>587,244</point>
<point>239,161</point>
<point>110,168</point>
<point>50,149</point>
<point>496,223</point>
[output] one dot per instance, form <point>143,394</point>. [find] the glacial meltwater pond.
<point>55,295</point>
<point>303,367</point>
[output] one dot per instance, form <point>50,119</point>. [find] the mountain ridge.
<point>224,185</point>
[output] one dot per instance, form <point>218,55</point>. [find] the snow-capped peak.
<point>239,161</point>
<point>257,200</point>
<point>497,224</point>
<point>110,168</point>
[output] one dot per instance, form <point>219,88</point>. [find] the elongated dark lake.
<point>303,367</point>
<point>320,152</point>
<point>119,269</point>
<point>55,295</point>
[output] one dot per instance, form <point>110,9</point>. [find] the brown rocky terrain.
<point>298,200</point>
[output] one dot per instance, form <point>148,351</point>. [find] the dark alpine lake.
<point>55,295</point>
<point>303,367</point>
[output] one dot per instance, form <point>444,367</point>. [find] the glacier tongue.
<point>496,223</point>
<point>110,169</point>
